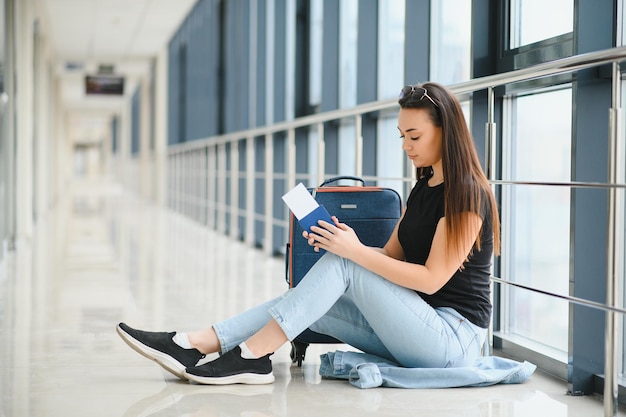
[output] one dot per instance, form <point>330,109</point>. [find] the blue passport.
<point>305,208</point>
<point>311,219</point>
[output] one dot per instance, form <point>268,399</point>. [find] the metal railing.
<point>198,173</point>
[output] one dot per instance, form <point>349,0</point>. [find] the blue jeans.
<point>342,299</point>
<point>368,371</point>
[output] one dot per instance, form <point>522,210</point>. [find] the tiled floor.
<point>102,256</point>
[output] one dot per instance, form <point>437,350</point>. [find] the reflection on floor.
<point>104,256</point>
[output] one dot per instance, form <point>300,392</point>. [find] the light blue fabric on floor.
<point>369,371</point>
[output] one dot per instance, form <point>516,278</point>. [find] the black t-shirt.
<point>468,290</point>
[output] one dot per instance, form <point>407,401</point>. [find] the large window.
<point>451,44</point>
<point>536,218</point>
<point>348,39</point>
<point>622,238</point>
<point>390,162</point>
<point>316,28</point>
<point>451,41</point>
<point>535,20</point>
<point>315,52</point>
<point>621,41</point>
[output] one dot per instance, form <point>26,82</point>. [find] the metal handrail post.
<point>222,172</point>
<point>321,154</point>
<point>269,194</point>
<point>291,159</point>
<point>614,248</point>
<point>234,190</point>
<point>211,189</point>
<point>192,167</point>
<point>490,136</point>
<point>490,168</point>
<point>205,186</point>
<point>250,182</point>
<point>358,132</point>
<point>291,169</point>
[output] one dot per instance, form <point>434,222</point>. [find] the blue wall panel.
<point>194,75</point>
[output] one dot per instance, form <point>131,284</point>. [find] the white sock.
<point>182,340</point>
<point>246,353</point>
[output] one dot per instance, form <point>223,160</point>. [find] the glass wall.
<point>349,53</point>
<point>354,53</point>
<point>536,218</point>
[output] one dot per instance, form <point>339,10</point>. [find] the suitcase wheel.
<point>298,352</point>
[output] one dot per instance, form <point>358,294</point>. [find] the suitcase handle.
<point>342,177</point>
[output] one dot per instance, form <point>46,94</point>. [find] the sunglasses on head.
<point>409,90</point>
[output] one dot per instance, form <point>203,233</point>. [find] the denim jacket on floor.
<point>368,371</point>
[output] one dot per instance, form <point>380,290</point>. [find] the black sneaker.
<point>231,368</point>
<point>160,347</point>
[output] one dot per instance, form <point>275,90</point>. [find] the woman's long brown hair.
<point>465,182</point>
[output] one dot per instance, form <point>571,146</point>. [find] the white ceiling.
<point>112,29</point>
<point>124,33</point>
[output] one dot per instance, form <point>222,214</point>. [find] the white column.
<point>24,120</point>
<point>60,150</point>
<point>43,131</point>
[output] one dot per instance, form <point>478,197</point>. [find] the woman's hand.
<point>337,238</point>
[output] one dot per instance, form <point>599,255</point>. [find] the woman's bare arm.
<point>440,266</point>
